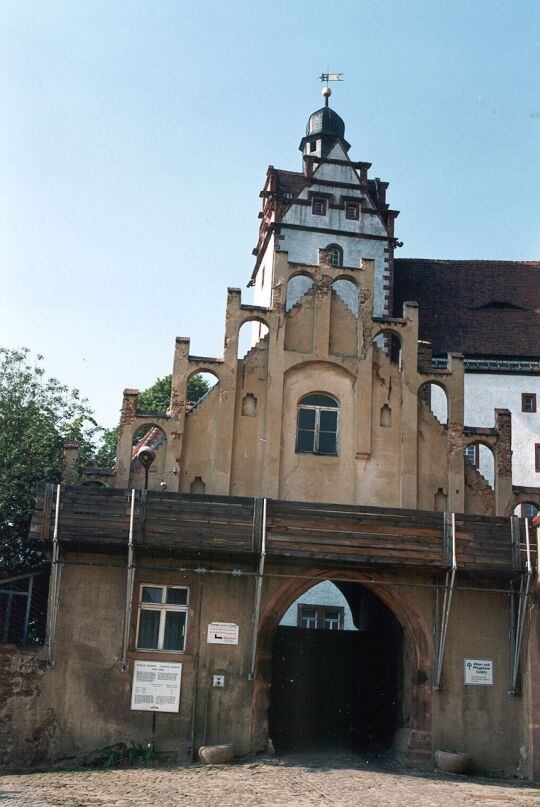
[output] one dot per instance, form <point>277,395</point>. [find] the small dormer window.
<point>313,145</point>
<point>318,206</point>
<point>352,211</point>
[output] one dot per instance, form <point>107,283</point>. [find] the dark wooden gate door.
<point>332,689</point>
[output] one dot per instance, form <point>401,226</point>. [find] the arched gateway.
<point>413,727</point>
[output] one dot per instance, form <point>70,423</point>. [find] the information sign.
<point>156,686</point>
<point>478,671</point>
<point>222,633</point>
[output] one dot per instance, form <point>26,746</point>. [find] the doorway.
<point>336,672</point>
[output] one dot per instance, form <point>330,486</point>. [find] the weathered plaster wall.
<point>305,476</point>
<point>483,721</point>
<point>432,458</point>
<point>241,438</point>
<point>83,703</point>
<point>199,444</point>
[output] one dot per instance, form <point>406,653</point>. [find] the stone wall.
<point>28,730</point>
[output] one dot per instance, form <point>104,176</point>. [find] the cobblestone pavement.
<point>290,781</point>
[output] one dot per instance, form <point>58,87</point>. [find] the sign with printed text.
<point>156,686</point>
<point>478,671</point>
<point>222,633</point>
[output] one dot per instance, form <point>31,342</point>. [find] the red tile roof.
<point>479,308</point>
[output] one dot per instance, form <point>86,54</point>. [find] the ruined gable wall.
<point>249,420</point>
<point>199,442</point>
<point>432,458</point>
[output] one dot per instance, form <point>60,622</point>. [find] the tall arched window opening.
<point>317,425</point>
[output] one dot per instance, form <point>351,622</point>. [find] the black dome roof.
<point>325,122</point>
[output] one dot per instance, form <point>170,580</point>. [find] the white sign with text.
<point>478,671</point>
<point>156,686</point>
<point>222,633</point>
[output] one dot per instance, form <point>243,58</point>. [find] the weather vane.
<point>330,77</point>
<point>327,77</point>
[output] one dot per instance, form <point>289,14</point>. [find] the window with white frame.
<point>317,425</point>
<point>320,617</point>
<point>162,622</point>
<point>472,453</point>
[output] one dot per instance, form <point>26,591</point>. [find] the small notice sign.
<point>222,633</point>
<point>156,686</point>
<point>478,671</point>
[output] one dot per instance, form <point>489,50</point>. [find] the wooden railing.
<point>98,519</point>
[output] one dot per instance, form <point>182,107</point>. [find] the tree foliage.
<point>154,399</point>
<point>37,416</point>
<point>157,397</point>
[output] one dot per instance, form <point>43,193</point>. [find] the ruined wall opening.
<point>337,672</point>
<point>434,397</point>
<point>390,344</point>
<point>480,457</point>
<point>251,334</point>
<point>526,510</point>
<point>200,384</point>
<point>297,288</point>
<point>300,313</point>
<point>344,308</point>
<point>148,435</point>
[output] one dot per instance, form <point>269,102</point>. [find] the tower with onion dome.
<point>331,203</point>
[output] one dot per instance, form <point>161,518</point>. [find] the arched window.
<point>317,425</point>
<point>336,255</point>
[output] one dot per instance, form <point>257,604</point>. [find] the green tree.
<point>157,397</point>
<point>37,415</point>
<point>105,456</point>
<point>154,399</point>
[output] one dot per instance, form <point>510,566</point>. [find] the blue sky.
<point>135,137</point>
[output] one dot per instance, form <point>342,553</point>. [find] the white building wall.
<point>321,594</point>
<point>485,392</point>
<point>303,247</point>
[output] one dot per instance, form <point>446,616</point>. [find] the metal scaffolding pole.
<point>518,612</point>
<point>449,549</point>
<point>130,582</point>
<point>258,594</point>
<point>54,585</point>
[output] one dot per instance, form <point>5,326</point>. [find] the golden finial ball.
<point>327,92</point>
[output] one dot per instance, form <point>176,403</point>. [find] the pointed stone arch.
<point>418,652</point>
